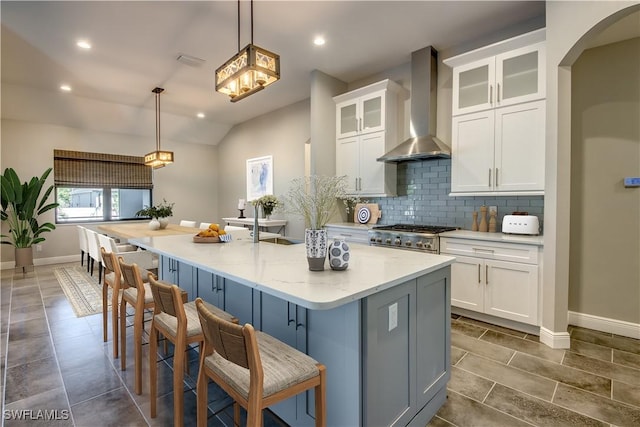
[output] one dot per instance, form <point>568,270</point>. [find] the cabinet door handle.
<point>498,93</point>
<point>289,319</point>
<point>491,94</point>
<point>496,177</point>
<point>489,177</point>
<point>486,274</point>
<point>298,324</point>
<point>478,273</point>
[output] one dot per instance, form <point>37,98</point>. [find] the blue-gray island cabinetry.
<point>382,327</point>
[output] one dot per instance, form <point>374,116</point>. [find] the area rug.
<point>81,289</point>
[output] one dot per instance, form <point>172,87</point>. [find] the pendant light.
<point>159,158</point>
<point>249,71</point>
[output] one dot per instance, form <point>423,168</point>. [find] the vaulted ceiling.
<point>135,46</point>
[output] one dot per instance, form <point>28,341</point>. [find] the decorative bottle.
<point>483,219</point>
<point>474,225</point>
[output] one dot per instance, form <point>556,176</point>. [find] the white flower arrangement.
<point>315,198</point>
<point>268,202</point>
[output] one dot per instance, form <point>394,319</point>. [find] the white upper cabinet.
<point>362,115</point>
<point>498,123</point>
<point>366,128</point>
<point>501,80</point>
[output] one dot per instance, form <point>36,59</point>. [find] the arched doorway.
<point>571,27</point>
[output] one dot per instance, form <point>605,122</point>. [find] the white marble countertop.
<point>495,237</point>
<point>282,270</point>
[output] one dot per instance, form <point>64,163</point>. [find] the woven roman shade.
<point>91,170</point>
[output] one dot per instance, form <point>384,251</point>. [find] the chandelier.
<point>158,158</point>
<point>249,71</point>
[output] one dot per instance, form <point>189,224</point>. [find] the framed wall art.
<point>259,177</point>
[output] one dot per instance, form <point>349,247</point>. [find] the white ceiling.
<point>135,46</point>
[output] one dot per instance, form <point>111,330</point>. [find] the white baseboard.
<point>554,339</point>
<point>8,265</point>
<point>603,324</point>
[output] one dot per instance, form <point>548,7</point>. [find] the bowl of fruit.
<point>212,234</point>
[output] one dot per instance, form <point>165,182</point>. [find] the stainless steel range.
<point>409,237</point>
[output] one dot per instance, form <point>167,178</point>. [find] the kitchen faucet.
<point>256,232</point>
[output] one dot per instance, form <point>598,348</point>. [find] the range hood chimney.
<point>424,86</point>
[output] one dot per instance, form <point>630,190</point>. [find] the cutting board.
<point>374,210</point>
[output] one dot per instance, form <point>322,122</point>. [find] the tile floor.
<point>52,361</point>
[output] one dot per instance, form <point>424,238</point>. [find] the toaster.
<point>521,224</point>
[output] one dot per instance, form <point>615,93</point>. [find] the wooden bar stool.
<point>137,293</point>
<point>178,321</point>
<point>254,368</point>
<point>113,280</point>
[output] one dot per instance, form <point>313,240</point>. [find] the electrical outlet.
<point>493,209</point>
<point>393,316</point>
<point>38,248</point>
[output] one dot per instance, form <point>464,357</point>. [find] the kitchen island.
<point>382,327</point>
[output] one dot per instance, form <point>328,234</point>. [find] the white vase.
<point>316,244</point>
<point>339,254</point>
<point>163,223</point>
<point>154,224</point>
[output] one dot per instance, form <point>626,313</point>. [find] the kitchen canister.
<point>339,255</point>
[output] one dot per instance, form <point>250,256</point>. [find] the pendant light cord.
<point>239,24</point>
<point>157,121</point>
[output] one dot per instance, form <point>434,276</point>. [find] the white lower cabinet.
<point>483,281</point>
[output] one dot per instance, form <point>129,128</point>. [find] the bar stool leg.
<point>153,368</point>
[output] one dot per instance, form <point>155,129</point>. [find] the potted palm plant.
<point>315,198</point>
<point>21,207</point>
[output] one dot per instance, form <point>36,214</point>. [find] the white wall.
<point>281,134</point>
<point>569,26</point>
<point>190,182</point>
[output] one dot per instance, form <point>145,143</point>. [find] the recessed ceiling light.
<point>200,115</point>
<point>319,41</point>
<point>65,88</point>
<point>83,44</point>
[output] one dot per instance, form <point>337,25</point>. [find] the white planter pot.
<point>154,224</point>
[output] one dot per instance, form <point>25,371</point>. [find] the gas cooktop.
<point>412,228</point>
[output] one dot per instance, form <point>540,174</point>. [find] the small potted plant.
<point>21,207</point>
<point>315,198</point>
<point>159,214</point>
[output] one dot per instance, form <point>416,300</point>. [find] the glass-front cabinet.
<point>500,80</point>
<point>366,128</point>
<point>362,115</point>
<point>498,122</point>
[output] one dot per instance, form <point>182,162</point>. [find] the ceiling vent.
<point>191,61</point>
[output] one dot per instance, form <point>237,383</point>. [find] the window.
<point>100,187</point>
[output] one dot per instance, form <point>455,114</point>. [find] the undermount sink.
<point>281,241</point>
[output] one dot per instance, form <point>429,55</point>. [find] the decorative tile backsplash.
<point>423,198</point>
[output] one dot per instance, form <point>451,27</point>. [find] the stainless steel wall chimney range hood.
<point>424,86</point>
